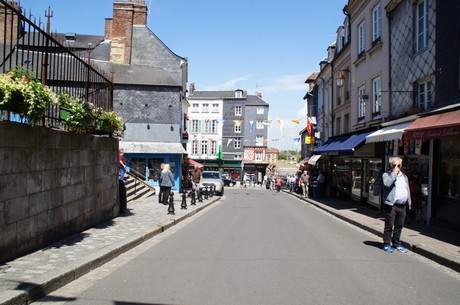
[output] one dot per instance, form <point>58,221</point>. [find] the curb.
<point>423,250</point>
<point>56,279</point>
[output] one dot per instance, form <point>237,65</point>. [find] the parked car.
<point>214,178</point>
<point>228,180</point>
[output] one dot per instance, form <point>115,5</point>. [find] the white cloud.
<point>231,84</point>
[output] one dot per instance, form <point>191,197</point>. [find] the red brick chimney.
<point>119,28</point>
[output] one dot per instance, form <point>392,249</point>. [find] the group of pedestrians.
<point>307,184</point>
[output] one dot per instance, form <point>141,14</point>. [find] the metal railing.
<point>23,43</point>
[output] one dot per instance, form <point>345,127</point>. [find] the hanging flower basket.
<point>64,113</point>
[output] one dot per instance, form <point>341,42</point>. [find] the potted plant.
<point>109,121</point>
<point>21,93</point>
<point>77,115</point>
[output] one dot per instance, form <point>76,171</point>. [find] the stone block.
<point>16,209</point>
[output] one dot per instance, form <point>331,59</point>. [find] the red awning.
<point>434,126</point>
<point>193,162</point>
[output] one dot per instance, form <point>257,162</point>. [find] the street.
<point>262,247</point>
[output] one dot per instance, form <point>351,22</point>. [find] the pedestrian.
<point>160,194</point>
<point>306,181</point>
<point>396,196</point>
<point>167,182</point>
<point>278,183</point>
<point>197,179</point>
<point>121,180</point>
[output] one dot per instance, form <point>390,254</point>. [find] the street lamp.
<point>340,79</point>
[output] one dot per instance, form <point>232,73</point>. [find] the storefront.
<point>441,133</point>
<point>144,160</point>
<point>228,167</point>
<point>347,162</point>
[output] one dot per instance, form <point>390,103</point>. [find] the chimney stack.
<point>192,89</point>
<point>119,28</point>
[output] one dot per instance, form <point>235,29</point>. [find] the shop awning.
<point>314,159</point>
<point>437,126</point>
<point>152,147</point>
<point>193,162</point>
<point>342,145</point>
<point>388,133</point>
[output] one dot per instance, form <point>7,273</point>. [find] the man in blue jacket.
<point>396,196</point>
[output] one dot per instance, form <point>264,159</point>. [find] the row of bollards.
<point>197,195</point>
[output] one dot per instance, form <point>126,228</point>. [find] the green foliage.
<point>21,93</point>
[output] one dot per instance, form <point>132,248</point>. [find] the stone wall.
<point>53,184</point>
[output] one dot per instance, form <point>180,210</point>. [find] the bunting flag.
<point>275,140</point>
<point>309,127</point>
<point>297,121</point>
<point>220,121</point>
<point>281,126</point>
<point>296,140</point>
<point>229,141</point>
<point>312,119</point>
<point>251,126</point>
<point>266,141</point>
<point>238,122</point>
<point>267,123</point>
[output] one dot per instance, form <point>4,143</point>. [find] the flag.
<point>297,121</point>
<point>220,121</point>
<point>266,141</point>
<point>267,123</point>
<point>309,127</point>
<point>296,140</point>
<point>238,122</point>
<point>251,126</point>
<point>281,126</point>
<point>229,141</point>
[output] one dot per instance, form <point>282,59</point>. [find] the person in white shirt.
<point>396,196</point>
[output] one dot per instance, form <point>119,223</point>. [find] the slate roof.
<point>137,75</point>
<point>215,95</point>
<point>254,100</point>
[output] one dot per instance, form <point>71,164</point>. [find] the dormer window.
<point>238,93</point>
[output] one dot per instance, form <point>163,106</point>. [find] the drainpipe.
<point>390,81</point>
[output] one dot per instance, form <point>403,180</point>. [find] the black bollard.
<point>193,202</point>
<point>200,195</point>
<point>213,190</point>
<point>210,191</point>
<point>171,204</point>
<point>206,192</point>
<point>183,206</point>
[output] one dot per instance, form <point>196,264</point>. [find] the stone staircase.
<point>137,188</point>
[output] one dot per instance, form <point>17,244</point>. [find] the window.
<point>259,156</point>
<point>213,147</point>
<point>194,126</point>
<point>204,147</point>
<point>237,128</point>
<point>195,107</point>
<point>194,147</point>
<point>376,97</point>
<point>238,93</point>
<point>362,38</point>
<point>260,124</point>
<point>206,108</point>
<point>259,140</point>
<point>238,110</point>
<point>215,108</point>
<point>237,157</point>
<point>424,94</point>
<point>214,126</point>
<point>420,25</point>
<point>237,143</point>
<point>207,126</point>
<point>361,104</point>
<point>376,24</point>
<point>260,110</point>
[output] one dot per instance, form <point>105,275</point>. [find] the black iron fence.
<point>25,44</point>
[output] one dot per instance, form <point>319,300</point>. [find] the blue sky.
<point>262,46</point>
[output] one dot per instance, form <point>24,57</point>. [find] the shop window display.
<point>449,168</point>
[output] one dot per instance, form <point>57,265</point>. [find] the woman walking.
<point>167,181</point>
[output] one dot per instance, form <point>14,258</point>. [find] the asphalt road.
<point>262,247</point>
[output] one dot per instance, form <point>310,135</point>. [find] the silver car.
<point>214,178</point>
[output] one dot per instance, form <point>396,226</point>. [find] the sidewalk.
<point>33,276</point>
<point>438,244</point>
